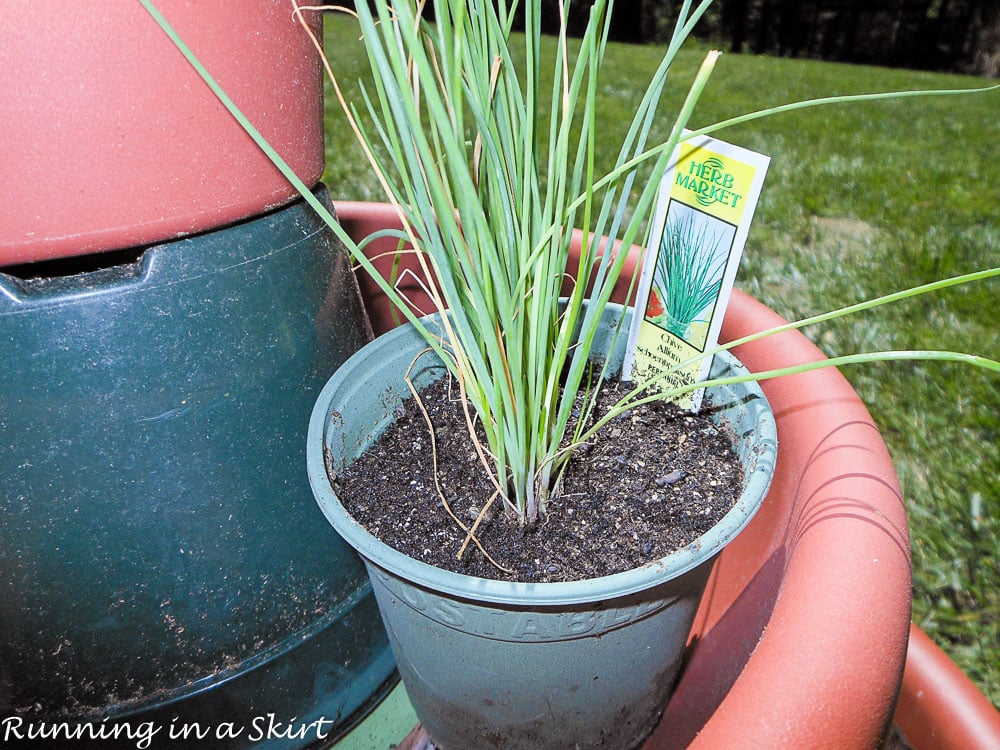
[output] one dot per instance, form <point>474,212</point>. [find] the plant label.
<point>702,217</point>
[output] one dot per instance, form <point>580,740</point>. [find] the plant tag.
<point>703,214</point>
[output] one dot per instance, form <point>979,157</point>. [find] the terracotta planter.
<point>939,707</point>
<point>801,637</point>
<point>111,140</point>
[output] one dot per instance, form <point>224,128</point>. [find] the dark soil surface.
<point>654,480</point>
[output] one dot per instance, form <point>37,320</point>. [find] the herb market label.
<point>706,203</point>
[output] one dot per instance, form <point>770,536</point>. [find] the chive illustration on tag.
<point>700,225</point>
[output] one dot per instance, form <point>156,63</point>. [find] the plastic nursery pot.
<point>111,140</point>
<point>161,555</point>
<point>490,664</point>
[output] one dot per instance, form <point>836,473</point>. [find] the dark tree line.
<point>950,35</point>
<point>961,36</point>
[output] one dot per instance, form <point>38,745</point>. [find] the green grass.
<point>860,200</point>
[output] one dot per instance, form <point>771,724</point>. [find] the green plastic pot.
<point>492,664</point>
<point>161,557</point>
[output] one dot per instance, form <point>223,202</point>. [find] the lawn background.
<point>860,200</point>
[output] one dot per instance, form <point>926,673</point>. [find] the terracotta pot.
<point>801,637</point>
<point>111,140</point>
<point>939,707</point>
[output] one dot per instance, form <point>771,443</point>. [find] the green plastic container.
<point>490,664</point>
<point>161,557</point>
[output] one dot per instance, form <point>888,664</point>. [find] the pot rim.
<point>700,551</point>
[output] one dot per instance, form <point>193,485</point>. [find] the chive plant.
<point>489,172</point>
